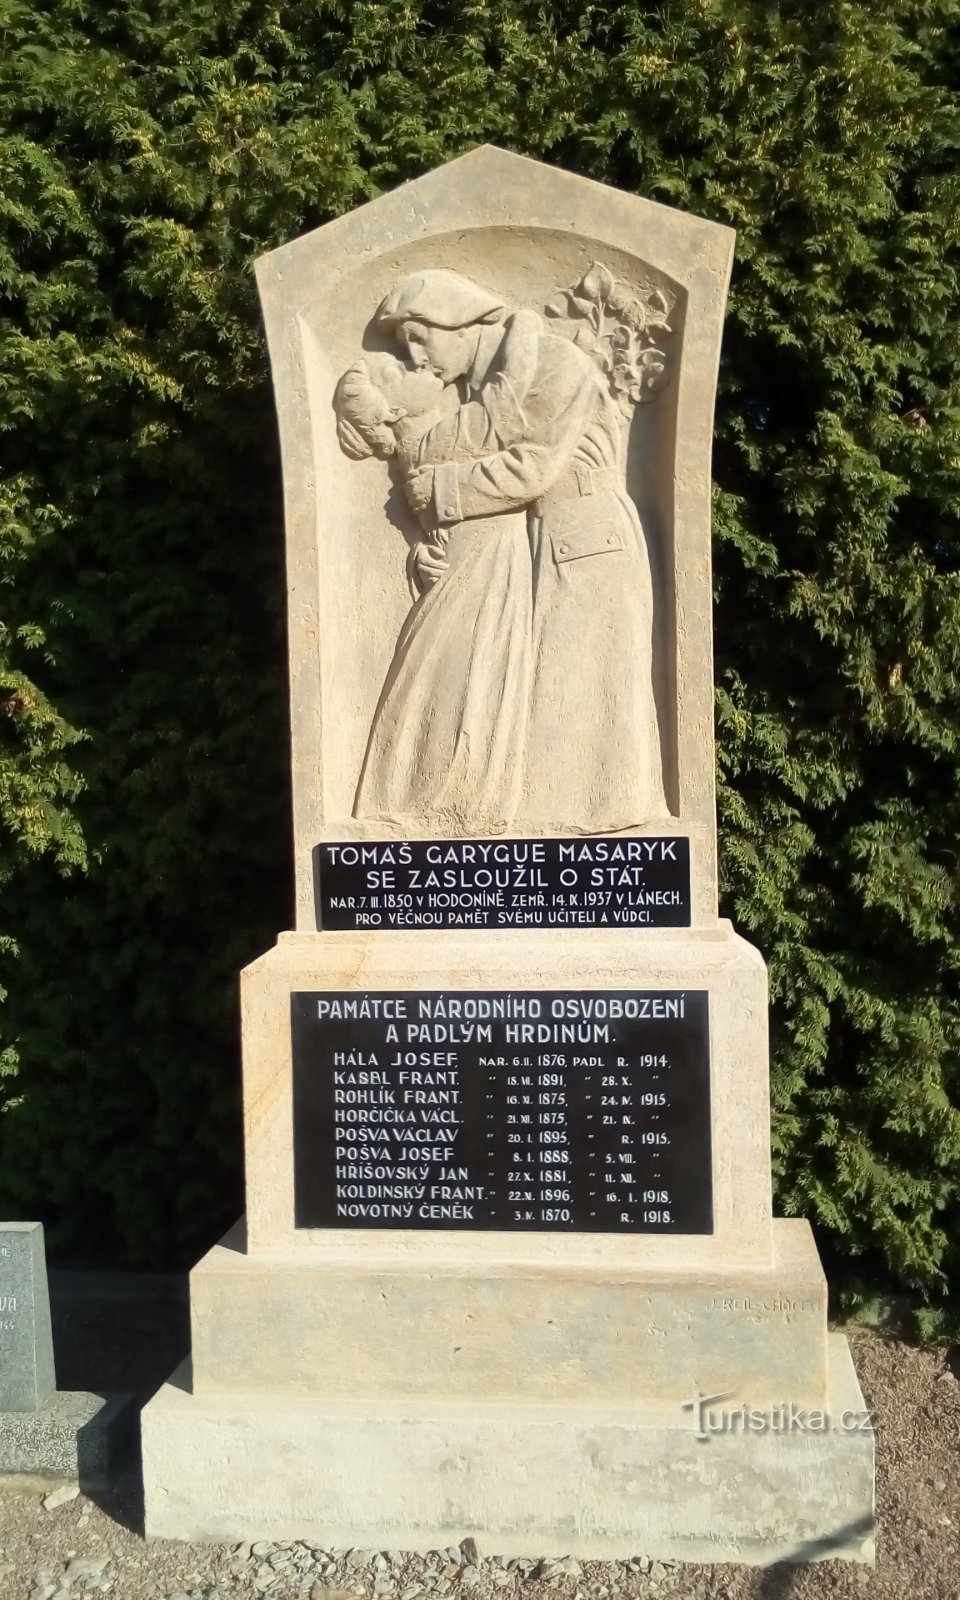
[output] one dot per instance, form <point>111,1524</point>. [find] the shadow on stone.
<point>118,1493</point>
<point>780,1581</point>
<point>113,1332</point>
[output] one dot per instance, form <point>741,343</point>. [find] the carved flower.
<point>613,323</point>
<point>598,283</point>
<point>656,309</point>
<point>653,372</point>
<point>622,302</point>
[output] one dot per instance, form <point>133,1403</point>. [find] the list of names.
<point>536,1110</point>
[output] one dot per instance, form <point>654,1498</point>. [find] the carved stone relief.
<point>520,691</point>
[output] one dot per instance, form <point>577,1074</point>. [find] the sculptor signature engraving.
<point>520,689</point>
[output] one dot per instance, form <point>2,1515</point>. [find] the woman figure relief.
<point>521,685</point>
<point>446,741</point>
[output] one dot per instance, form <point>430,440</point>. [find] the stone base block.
<point>326,1324</point>
<point>714,962</point>
<point>73,1435</point>
<point>538,1479</point>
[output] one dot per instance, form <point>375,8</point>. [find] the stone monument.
<point>509,1267</point>
<point>44,1432</point>
<point>26,1343</point>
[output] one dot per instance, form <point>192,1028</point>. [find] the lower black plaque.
<point>572,1111</point>
<point>623,882</point>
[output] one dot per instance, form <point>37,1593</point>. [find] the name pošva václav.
<point>504,883</point>
<point>574,1110</point>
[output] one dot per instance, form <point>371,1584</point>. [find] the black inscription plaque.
<point>572,1111</point>
<point>504,883</point>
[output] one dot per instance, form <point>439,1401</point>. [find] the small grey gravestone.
<point>27,1376</point>
<point>44,1431</point>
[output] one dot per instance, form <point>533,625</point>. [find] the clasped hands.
<point>418,483</point>
<point>429,557</point>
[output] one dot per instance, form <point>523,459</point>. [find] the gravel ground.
<point>64,1546</point>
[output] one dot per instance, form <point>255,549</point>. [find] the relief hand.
<point>429,564</point>
<point>419,487</point>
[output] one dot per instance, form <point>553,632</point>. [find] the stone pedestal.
<point>712,960</point>
<point>587,1478</point>
<point>515,1327</point>
<point>73,1435</point>
<point>551,1394</point>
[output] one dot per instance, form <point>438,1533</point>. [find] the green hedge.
<point>150,153</point>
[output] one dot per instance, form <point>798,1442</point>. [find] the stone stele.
<point>26,1344</point>
<point>495,390</point>
<point>43,1431</point>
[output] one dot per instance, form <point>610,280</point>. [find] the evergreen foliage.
<point>149,152</point>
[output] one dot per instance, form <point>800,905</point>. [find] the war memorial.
<point>509,1267</point>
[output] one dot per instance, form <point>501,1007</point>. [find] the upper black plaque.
<point>577,1111</point>
<point>637,882</point>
